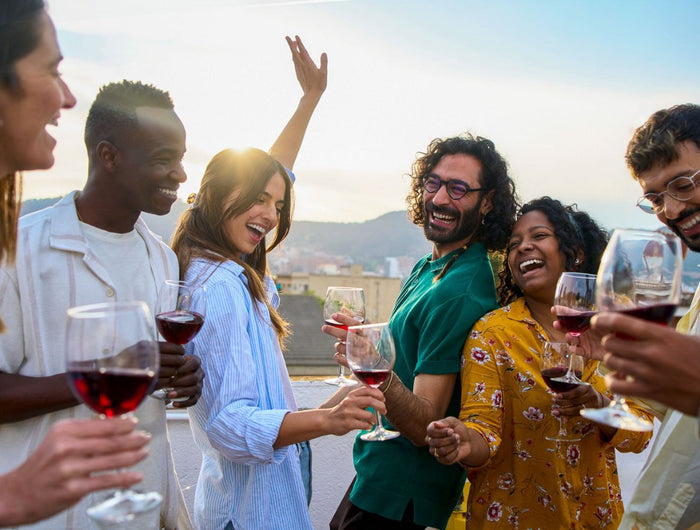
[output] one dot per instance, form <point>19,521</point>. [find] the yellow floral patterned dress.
<point>529,481</point>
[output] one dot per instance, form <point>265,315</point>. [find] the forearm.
<point>23,397</point>
<point>410,413</point>
<point>336,398</point>
<point>301,426</point>
<point>474,451</point>
<point>286,147</point>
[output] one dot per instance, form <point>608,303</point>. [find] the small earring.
<point>577,261</point>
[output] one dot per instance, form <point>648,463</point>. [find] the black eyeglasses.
<point>456,189</point>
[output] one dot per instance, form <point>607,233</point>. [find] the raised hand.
<point>351,413</point>
<point>312,79</point>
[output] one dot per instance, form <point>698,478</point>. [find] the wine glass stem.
<point>379,429</point>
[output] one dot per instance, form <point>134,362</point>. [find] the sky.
<point>559,86</point>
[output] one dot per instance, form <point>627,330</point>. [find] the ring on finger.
<point>435,452</point>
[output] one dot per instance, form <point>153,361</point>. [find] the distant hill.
<point>368,242</point>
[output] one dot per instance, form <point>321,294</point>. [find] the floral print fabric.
<point>529,481</point>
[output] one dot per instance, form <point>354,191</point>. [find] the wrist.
<point>386,384</point>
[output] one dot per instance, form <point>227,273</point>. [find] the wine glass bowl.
<point>574,301</point>
<point>349,301</point>
<point>179,323</point>
<point>556,363</point>
<point>640,275</point>
<point>371,354</point>
<point>112,360</point>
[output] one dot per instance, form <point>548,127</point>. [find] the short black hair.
<point>114,110</point>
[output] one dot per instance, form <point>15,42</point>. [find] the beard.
<point>694,243</point>
<point>467,223</point>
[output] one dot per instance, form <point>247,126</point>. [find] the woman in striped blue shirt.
<point>246,422</point>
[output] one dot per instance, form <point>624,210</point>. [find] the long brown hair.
<point>200,231</point>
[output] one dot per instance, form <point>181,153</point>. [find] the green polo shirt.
<point>430,323</point>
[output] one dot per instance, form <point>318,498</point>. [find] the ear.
<point>108,155</point>
<point>486,203</point>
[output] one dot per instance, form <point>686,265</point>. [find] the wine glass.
<point>556,361</point>
<point>371,354</point>
<point>574,304</point>
<point>112,360</point>
<point>180,324</point>
<point>349,301</point>
<point>639,275</point>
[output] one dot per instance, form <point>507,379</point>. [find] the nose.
<point>178,173</point>
<point>68,97</point>
<point>672,207</point>
<point>441,196</point>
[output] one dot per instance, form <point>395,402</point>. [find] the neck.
<point>97,208</point>
<point>542,313</point>
<point>443,249</point>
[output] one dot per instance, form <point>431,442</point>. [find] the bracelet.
<point>391,379</point>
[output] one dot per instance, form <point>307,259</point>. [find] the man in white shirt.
<point>664,157</point>
<point>93,247</point>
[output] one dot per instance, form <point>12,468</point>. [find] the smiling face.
<point>150,157</point>
<point>683,217</point>
<point>534,257</point>
<point>247,230</point>
<point>450,223</point>
<point>26,112</point>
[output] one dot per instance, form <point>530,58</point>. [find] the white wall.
<point>332,458</point>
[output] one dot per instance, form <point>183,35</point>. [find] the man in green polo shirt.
<point>465,201</point>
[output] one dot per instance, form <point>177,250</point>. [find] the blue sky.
<point>558,86</point>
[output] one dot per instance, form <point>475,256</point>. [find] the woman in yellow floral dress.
<point>519,478</point>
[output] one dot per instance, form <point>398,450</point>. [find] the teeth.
<point>167,191</point>
<point>443,217</point>
<point>690,223</point>
<point>258,228</point>
<point>530,264</point>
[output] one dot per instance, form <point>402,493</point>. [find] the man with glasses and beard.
<point>663,364</point>
<point>462,196</point>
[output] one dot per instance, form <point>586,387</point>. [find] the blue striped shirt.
<point>246,395</point>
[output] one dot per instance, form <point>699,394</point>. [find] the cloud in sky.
<point>559,88</point>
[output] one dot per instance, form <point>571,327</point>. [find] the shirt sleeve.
<point>482,392</point>
<point>439,349</point>
<point>230,407</point>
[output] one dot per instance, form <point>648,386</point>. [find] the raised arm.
<point>312,80</point>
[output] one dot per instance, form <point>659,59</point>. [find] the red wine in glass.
<point>112,359</point>
<point>659,313</point>
<point>180,326</point>
<point>575,322</point>
<point>112,392</point>
<point>550,376</point>
<point>372,378</point>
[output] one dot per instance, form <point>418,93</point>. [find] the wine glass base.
<point>379,435</point>
<point>340,381</point>
<point>127,507</point>
<point>570,380</point>
<point>162,394</point>
<point>619,418</point>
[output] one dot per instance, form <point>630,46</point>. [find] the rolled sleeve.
<point>237,421</point>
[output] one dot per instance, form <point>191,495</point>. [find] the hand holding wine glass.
<point>179,323</point>
<point>349,301</point>
<point>574,304</point>
<point>371,355</point>
<point>556,362</point>
<point>639,275</point>
<point>112,360</point>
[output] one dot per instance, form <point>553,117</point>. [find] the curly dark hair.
<point>576,232</point>
<point>656,142</point>
<point>113,113</point>
<point>498,223</point>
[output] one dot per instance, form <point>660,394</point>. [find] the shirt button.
<point>109,292</point>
